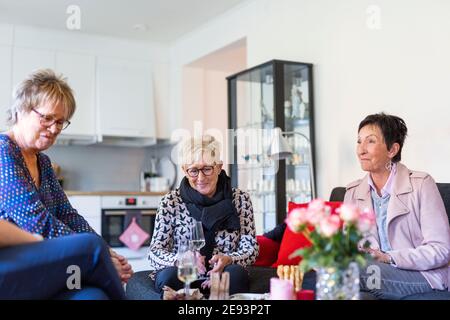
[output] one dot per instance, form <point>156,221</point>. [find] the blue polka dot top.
<point>44,210</point>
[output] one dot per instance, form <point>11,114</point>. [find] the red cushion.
<point>268,251</point>
<point>292,241</point>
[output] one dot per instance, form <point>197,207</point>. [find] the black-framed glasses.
<point>194,172</point>
<point>48,121</point>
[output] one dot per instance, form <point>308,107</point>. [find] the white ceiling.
<point>166,20</point>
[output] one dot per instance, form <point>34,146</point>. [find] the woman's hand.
<point>380,256</point>
<point>122,266</point>
<point>219,261</point>
<point>201,268</point>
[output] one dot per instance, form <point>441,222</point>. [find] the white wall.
<point>402,68</point>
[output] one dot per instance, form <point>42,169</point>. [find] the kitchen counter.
<point>112,193</point>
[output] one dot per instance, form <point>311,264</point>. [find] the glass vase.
<point>335,283</point>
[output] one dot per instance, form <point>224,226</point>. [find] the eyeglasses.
<point>206,170</point>
<point>48,121</point>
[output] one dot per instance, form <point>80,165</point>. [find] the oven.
<point>118,212</point>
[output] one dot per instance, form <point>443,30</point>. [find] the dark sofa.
<point>141,287</point>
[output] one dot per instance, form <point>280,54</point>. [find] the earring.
<point>388,165</point>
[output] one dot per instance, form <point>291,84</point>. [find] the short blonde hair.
<point>41,86</point>
<point>193,149</point>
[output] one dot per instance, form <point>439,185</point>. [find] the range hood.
<point>71,139</point>
<point>85,140</point>
<point>126,141</point>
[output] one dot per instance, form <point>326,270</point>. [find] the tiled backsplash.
<point>92,168</point>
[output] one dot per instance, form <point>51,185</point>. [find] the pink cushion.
<point>134,236</point>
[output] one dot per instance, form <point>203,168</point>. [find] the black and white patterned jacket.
<point>172,227</point>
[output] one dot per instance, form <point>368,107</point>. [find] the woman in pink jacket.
<point>411,239</point>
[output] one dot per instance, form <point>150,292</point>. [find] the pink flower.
<point>329,226</point>
<point>316,205</point>
<point>348,213</point>
<point>315,217</point>
<point>316,212</point>
<point>296,219</point>
<point>366,220</point>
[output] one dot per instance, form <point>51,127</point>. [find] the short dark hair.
<point>393,128</point>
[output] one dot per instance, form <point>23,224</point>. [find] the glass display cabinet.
<point>276,96</point>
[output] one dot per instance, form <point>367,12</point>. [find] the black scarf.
<point>216,213</point>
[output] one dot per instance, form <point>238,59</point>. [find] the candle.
<point>281,289</point>
<point>305,295</point>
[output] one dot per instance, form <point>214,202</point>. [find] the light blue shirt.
<point>380,205</point>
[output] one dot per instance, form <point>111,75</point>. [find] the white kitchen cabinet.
<point>90,208</point>
<point>79,69</point>
<point>125,98</point>
<point>27,60</point>
<point>5,83</point>
<point>114,96</point>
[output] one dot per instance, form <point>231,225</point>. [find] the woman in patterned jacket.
<point>226,213</point>
<point>30,194</point>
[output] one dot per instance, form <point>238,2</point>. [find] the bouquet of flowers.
<point>335,236</point>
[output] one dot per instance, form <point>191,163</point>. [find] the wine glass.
<point>186,267</point>
<point>197,239</point>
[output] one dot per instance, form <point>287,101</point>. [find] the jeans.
<point>40,270</point>
<point>394,283</point>
<point>239,279</point>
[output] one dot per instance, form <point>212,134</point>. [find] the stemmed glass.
<point>187,266</point>
<point>197,240</point>
<point>198,237</point>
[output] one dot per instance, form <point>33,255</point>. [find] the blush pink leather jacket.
<point>417,224</point>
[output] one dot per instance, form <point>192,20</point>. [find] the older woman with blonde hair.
<point>205,194</point>
<point>30,194</point>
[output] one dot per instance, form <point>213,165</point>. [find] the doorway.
<point>205,99</point>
